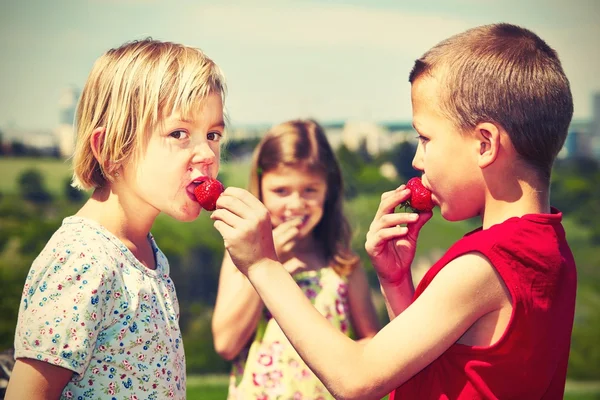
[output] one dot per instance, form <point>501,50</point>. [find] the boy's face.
<point>178,153</point>
<point>446,157</point>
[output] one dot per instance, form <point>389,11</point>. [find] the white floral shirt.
<point>90,306</point>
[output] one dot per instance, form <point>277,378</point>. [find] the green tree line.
<point>30,214</point>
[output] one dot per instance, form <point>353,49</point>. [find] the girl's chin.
<point>187,214</point>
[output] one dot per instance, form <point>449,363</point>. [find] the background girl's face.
<point>291,192</point>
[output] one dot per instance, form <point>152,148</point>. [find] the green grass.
<point>207,387</point>
<point>214,387</point>
<point>55,172</point>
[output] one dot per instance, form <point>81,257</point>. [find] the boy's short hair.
<point>508,75</point>
<point>129,90</point>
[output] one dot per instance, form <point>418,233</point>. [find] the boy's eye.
<point>422,139</point>
<point>179,135</point>
<point>214,136</point>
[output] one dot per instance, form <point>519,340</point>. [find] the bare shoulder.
<point>471,278</point>
<point>471,283</point>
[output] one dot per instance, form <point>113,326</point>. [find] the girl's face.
<point>179,154</point>
<point>289,192</point>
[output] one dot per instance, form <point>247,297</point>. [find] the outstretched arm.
<point>438,318</point>
<point>36,380</point>
<point>427,328</point>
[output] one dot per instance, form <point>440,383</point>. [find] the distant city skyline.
<point>331,60</point>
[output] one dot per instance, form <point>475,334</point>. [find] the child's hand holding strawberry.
<point>392,237</point>
<point>245,225</point>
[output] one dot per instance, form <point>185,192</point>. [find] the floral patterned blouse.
<point>270,368</point>
<point>90,306</point>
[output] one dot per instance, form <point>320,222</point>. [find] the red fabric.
<point>529,361</point>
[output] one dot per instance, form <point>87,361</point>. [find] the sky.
<point>326,59</point>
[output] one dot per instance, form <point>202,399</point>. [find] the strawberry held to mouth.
<point>420,196</point>
<point>208,192</point>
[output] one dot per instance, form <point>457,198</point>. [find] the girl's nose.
<point>203,154</point>
<point>296,202</point>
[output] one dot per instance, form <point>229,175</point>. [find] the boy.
<point>493,317</point>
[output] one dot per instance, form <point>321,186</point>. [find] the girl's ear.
<point>96,142</point>
<point>488,137</point>
<point>109,170</point>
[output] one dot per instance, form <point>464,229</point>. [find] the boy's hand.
<point>390,246</point>
<point>244,223</point>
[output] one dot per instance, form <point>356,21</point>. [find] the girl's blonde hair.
<point>303,144</point>
<point>129,90</point>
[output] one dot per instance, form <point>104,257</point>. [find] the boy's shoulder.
<point>519,227</point>
<point>527,240</point>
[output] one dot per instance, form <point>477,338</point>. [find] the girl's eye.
<point>214,136</point>
<point>280,191</point>
<point>180,135</point>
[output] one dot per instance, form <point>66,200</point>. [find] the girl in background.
<point>295,174</point>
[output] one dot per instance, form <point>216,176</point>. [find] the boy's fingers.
<point>242,195</point>
<point>415,228</point>
<point>379,238</point>
<point>224,229</point>
<point>242,206</point>
<point>391,200</point>
<point>225,216</point>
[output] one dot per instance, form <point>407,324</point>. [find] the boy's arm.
<point>398,296</point>
<point>461,293</point>
<point>237,311</point>
<point>33,379</point>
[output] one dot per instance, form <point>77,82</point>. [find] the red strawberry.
<point>208,192</point>
<point>420,196</point>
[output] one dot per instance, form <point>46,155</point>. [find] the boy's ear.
<point>488,137</point>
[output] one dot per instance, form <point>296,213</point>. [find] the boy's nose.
<point>417,162</point>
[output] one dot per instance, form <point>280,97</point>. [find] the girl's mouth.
<point>303,219</point>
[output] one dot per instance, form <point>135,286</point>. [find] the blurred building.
<point>376,137</point>
<point>43,141</point>
<point>65,131</point>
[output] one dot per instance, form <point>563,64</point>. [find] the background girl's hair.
<point>303,144</point>
<point>129,90</point>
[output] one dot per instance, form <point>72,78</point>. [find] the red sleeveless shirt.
<point>529,361</point>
